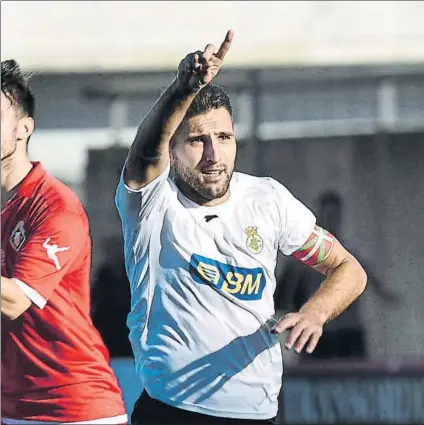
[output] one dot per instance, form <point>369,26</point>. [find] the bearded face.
<point>203,156</point>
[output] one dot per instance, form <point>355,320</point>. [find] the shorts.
<point>150,411</point>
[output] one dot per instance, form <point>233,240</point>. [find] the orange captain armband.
<point>317,248</point>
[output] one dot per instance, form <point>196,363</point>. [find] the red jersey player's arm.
<point>345,278</point>
<point>13,299</point>
<point>49,254</point>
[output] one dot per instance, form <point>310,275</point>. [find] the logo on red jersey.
<point>52,250</point>
<point>18,236</point>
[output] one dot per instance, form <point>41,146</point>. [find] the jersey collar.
<point>31,180</point>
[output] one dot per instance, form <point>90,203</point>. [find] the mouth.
<point>212,172</point>
<point>212,176</point>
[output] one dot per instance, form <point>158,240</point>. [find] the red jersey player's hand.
<point>304,327</point>
<point>198,69</point>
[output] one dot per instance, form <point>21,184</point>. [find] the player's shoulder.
<point>266,191</point>
<point>265,185</point>
<point>60,198</point>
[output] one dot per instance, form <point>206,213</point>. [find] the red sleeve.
<point>50,252</point>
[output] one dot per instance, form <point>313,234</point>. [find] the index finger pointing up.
<point>225,46</point>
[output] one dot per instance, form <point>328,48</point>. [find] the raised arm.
<point>148,156</point>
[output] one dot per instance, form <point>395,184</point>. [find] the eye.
<point>224,137</point>
<point>195,141</point>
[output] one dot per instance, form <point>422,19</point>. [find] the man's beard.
<point>9,154</point>
<point>189,181</point>
<point>12,149</point>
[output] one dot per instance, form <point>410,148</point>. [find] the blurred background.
<point>328,99</point>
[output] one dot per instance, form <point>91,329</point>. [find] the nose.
<point>210,151</point>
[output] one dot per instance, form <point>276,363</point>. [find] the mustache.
<point>212,168</point>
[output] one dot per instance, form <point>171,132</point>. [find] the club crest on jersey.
<point>18,236</point>
<point>243,283</point>
<point>254,242</point>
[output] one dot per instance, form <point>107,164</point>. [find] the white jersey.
<point>202,285</point>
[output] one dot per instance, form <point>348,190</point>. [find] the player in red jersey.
<point>54,365</point>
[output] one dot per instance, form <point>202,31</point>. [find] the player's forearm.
<point>13,300</point>
<point>149,153</point>
<point>343,285</point>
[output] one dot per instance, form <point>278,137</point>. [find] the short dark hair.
<point>14,85</point>
<point>210,97</point>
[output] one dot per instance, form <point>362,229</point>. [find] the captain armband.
<point>317,248</point>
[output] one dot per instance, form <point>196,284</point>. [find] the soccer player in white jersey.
<point>201,243</point>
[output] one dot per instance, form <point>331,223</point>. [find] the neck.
<point>13,170</point>
<point>216,201</point>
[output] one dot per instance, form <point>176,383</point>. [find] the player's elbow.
<point>360,274</point>
<point>15,310</point>
<point>363,279</point>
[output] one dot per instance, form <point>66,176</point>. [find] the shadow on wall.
<point>111,299</point>
<point>344,337</point>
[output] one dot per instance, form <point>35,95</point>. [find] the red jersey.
<point>54,365</point>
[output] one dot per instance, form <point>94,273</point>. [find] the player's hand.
<point>198,69</point>
<point>305,328</point>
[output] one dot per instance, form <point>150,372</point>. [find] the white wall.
<point>87,35</point>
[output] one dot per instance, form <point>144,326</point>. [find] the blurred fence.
<point>380,182</point>
<point>333,393</point>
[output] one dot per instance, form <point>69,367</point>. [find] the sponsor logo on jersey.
<point>52,250</point>
<point>18,236</point>
<point>243,283</point>
<point>254,242</point>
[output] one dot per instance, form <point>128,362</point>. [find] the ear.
<point>25,128</point>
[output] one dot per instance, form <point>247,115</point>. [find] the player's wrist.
<point>319,313</point>
<point>182,88</point>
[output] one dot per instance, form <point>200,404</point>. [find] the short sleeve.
<point>136,204</point>
<point>296,220</point>
<point>49,254</point>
